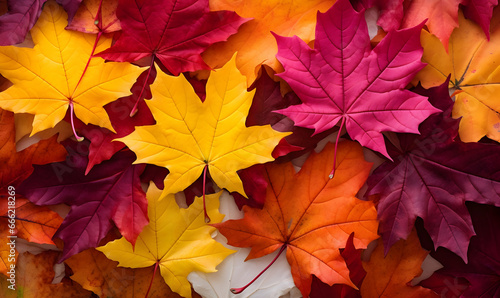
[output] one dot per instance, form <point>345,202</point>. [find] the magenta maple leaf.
<point>342,79</point>
<point>432,177</point>
<point>111,191</point>
<point>175,32</point>
<point>482,271</point>
<point>21,16</point>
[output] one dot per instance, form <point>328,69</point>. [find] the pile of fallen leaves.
<point>188,147</point>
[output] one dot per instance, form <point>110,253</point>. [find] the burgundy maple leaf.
<point>432,177</point>
<point>111,191</point>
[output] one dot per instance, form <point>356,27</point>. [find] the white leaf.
<point>234,272</point>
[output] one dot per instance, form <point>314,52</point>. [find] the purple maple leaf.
<point>111,191</point>
<point>432,177</point>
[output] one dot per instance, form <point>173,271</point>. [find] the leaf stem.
<point>207,219</point>
<point>71,116</point>
<point>134,109</point>
<point>98,17</point>
<point>239,290</point>
<point>71,107</point>
<point>90,58</point>
<point>152,278</point>
<point>332,173</point>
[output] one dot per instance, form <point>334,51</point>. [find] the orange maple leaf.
<point>389,276</point>
<point>254,42</point>
<point>96,273</point>
<point>94,16</point>
<point>311,215</point>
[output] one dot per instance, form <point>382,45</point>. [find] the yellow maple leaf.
<point>473,63</point>
<point>47,78</point>
<point>190,134</point>
<point>254,42</point>
<point>177,239</point>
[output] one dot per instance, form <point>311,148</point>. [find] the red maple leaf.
<point>175,32</point>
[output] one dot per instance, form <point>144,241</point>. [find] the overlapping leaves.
<point>311,215</point>
<point>48,78</point>
<point>190,135</point>
<point>200,136</point>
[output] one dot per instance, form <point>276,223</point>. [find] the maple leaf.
<point>96,273</point>
<point>34,275</point>
<point>234,270</point>
<point>94,16</point>
<point>471,60</point>
<point>342,79</point>
<point>190,135</point>
<point>480,11</point>
<point>71,7</point>
<point>175,32</point>
<point>15,166</point>
<point>419,184</point>
<point>352,257</point>
<point>255,186</point>
<point>15,24</point>
<point>442,17</point>
<point>253,42</point>
<point>112,190</point>
<point>445,285</point>
<point>7,252</point>
<point>101,146</point>
<point>33,223</point>
<point>275,282</point>
<point>267,99</point>
<point>311,215</point>
<point>177,240</point>
<point>48,78</point>
<point>388,276</point>
<point>482,270</point>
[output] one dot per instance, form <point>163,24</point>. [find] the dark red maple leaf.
<point>432,177</point>
<point>21,16</point>
<point>482,270</point>
<point>357,273</point>
<point>102,147</point>
<point>175,32</point>
<point>254,184</point>
<point>111,191</point>
<point>343,80</point>
<point>266,100</point>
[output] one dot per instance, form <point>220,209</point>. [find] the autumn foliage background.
<point>319,136</point>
